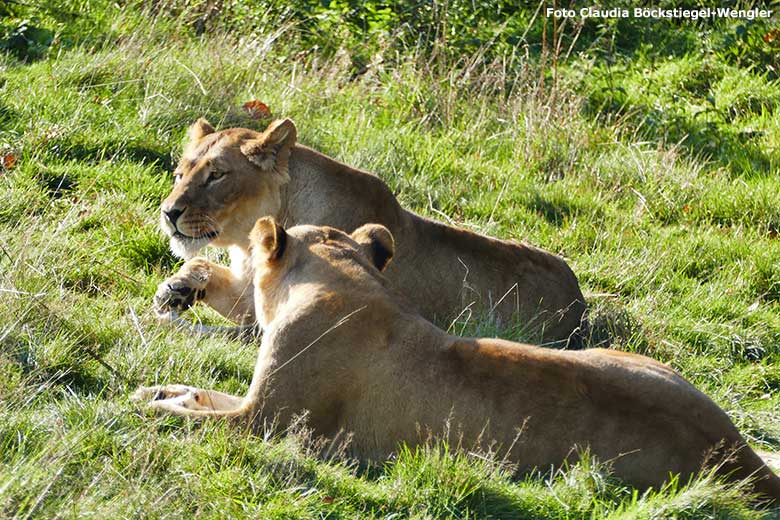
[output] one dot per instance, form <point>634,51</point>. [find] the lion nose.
<point>173,215</point>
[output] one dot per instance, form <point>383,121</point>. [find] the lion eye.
<point>215,175</point>
<point>176,178</point>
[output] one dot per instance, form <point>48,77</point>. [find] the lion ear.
<point>200,129</point>
<point>271,150</point>
<point>197,131</point>
<point>268,239</point>
<point>377,243</point>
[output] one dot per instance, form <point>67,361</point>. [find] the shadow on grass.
<point>26,42</point>
<point>555,208</point>
<point>96,152</point>
<point>55,351</point>
<point>150,252</point>
<point>610,324</point>
<point>67,373</point>
<point>705,135</point>
<point>7,114</point>
<point>56,185</point>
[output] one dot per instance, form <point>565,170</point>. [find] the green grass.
<point>659,186</point>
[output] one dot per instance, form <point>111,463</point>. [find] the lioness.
<point>342,344</point>
<point>227,180</point>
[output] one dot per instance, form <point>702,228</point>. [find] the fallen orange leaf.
<point>327,500</point>
<point>9,161</point>
<point>257,109</point>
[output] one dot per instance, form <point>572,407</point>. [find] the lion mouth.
<point>186,246</point>
<point>206,236</point>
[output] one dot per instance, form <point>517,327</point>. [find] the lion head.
<point>224,182</point>
<point>320,258</point>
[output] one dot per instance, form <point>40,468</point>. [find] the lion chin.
<point>185,247</point>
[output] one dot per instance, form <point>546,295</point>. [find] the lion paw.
<point>180,292</point>
<point>176,399</point>
<point>162,393</point>
<point>175,295</point>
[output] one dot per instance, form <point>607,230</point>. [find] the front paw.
<point>175,296</point>
<point>145,393</point>
<point>175,399</point>
<point>160,393</point>
<point>180,292</point>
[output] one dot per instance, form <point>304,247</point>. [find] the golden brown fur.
<point>341,344</point>
<point>228,179</point>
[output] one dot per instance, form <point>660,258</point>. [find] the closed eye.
<point>215,175</point>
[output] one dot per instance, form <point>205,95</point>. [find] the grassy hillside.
<point>646,153</point>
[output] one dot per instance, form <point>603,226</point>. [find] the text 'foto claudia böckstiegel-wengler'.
<point>658,12</point>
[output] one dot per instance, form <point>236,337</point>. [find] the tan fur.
<point>442,270</point>
<point>342,345</point>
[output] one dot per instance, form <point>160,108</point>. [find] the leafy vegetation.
<point>645,151</point>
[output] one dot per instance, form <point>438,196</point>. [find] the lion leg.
<point>189,401</point>
<point>200,280</point>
